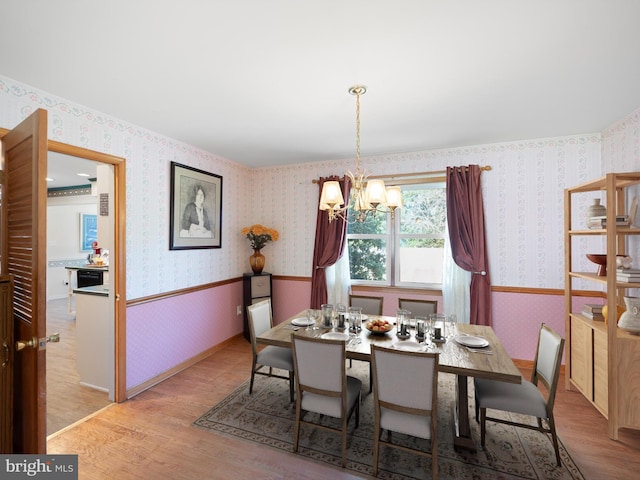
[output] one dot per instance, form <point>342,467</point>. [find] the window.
<point>407,251</point>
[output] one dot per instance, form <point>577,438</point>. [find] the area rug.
<point>267,417</point>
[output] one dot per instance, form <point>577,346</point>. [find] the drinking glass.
<point>327,315</point>
<point>452,321</point>
<point>311,319</point>
<point>355,319</point>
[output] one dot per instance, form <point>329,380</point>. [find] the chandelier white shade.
<point>366,197</point>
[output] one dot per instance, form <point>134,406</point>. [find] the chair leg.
<point>344,442</point>
<point>253,375</point>
<point>296,429</point>
<point>291,381</point>
<point>434,460</point>
<point>554,438</point>
<point>370,378</point>
<point>376,450</point>
<point>483,425</point>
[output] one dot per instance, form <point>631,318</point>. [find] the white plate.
<point>363,317</point>
<point>409,346</point>
<point>301,322</point>
<point>471,341</point>
<point>335,336</point>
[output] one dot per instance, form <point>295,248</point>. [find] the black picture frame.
<point>192,227</point>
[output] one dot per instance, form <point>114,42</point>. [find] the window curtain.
<point>339,280</point>
<point>455,284</point>
<point>465,220</point>
<point>329,244</point>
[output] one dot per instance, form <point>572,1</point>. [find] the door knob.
<point>35,343</point>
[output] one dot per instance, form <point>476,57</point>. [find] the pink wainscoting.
<point>164,333</point>
<point>289,298</point>
<point>517,318</point>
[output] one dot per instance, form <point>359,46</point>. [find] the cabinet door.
<point>260,286</point>
<point>600,374</point>
<point>582,357</point>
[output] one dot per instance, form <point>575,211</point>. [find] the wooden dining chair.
<point>526,398</point>
<point>405,403</point>
<point>418,308</point>
<point>261,320</point>
<point>369,305</point>
<point>323,386</point>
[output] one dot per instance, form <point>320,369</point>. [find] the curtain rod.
<point>485,168</point>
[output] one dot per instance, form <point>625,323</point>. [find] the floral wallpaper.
<point>522,192</point>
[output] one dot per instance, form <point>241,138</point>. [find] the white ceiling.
<point>265,82</point>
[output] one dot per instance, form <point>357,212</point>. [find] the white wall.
<point>63,240</point>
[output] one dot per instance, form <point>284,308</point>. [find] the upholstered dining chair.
<point>418,308</point>
<point>261,320</point>
<point>323,386</point>
<point>405,403</point>
<point>369,305</point>
<point>526,398</point>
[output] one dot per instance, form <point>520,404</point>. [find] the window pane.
<point>424,211</point>
<point>373,225</point>
<point>368,259</point>
<point>421,260</point>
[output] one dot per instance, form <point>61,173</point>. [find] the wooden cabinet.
<point>601,359</point>
<point>255,287</point>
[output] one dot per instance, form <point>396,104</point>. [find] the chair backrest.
<point>369,305</point>
<point>414,392</point>
<point>418,308</point>
<point>546,366</point>
<point>319,365</point>
<point>260,320</point>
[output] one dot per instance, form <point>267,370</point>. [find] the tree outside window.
<point>407,251</point>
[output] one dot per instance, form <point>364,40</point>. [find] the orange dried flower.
<point>259,235</point>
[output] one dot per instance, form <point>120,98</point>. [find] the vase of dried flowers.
<point>256,261</point>
<point>258,236</point>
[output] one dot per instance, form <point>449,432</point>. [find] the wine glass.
<point>451,327</point>
<point>311,319</point>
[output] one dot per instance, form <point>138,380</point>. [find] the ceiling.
<point>266,82</point>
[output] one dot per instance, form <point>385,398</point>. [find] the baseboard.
<point>132,392</point>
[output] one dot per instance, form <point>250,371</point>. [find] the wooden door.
<point>23,249</point>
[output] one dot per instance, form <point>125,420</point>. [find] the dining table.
<point>489,361</point>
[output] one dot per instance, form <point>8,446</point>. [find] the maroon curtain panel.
<point>329,244</point>
<point>465,217</point>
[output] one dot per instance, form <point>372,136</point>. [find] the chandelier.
<point>368,197</point>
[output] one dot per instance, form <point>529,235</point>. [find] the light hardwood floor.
<point>151,435</point>
<point>67,400</point>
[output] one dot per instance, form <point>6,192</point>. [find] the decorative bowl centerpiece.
<point>601,261</point>
<point>378,327</point>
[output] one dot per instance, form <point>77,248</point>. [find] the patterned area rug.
<point>267,417</point>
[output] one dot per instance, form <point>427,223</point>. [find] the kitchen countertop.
<point>100,290</point>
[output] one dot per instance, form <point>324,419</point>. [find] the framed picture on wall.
<point>195,208</point>
<point>88,231</point>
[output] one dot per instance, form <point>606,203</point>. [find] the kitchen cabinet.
<point>601,360</point>
<point>95,338</point>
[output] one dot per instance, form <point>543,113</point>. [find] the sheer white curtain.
<point>455,285</point>
<point>339,280</point>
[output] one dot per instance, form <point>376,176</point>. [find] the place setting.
<point>473,343</point>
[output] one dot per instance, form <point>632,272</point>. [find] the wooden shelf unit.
<point>602,361</point>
